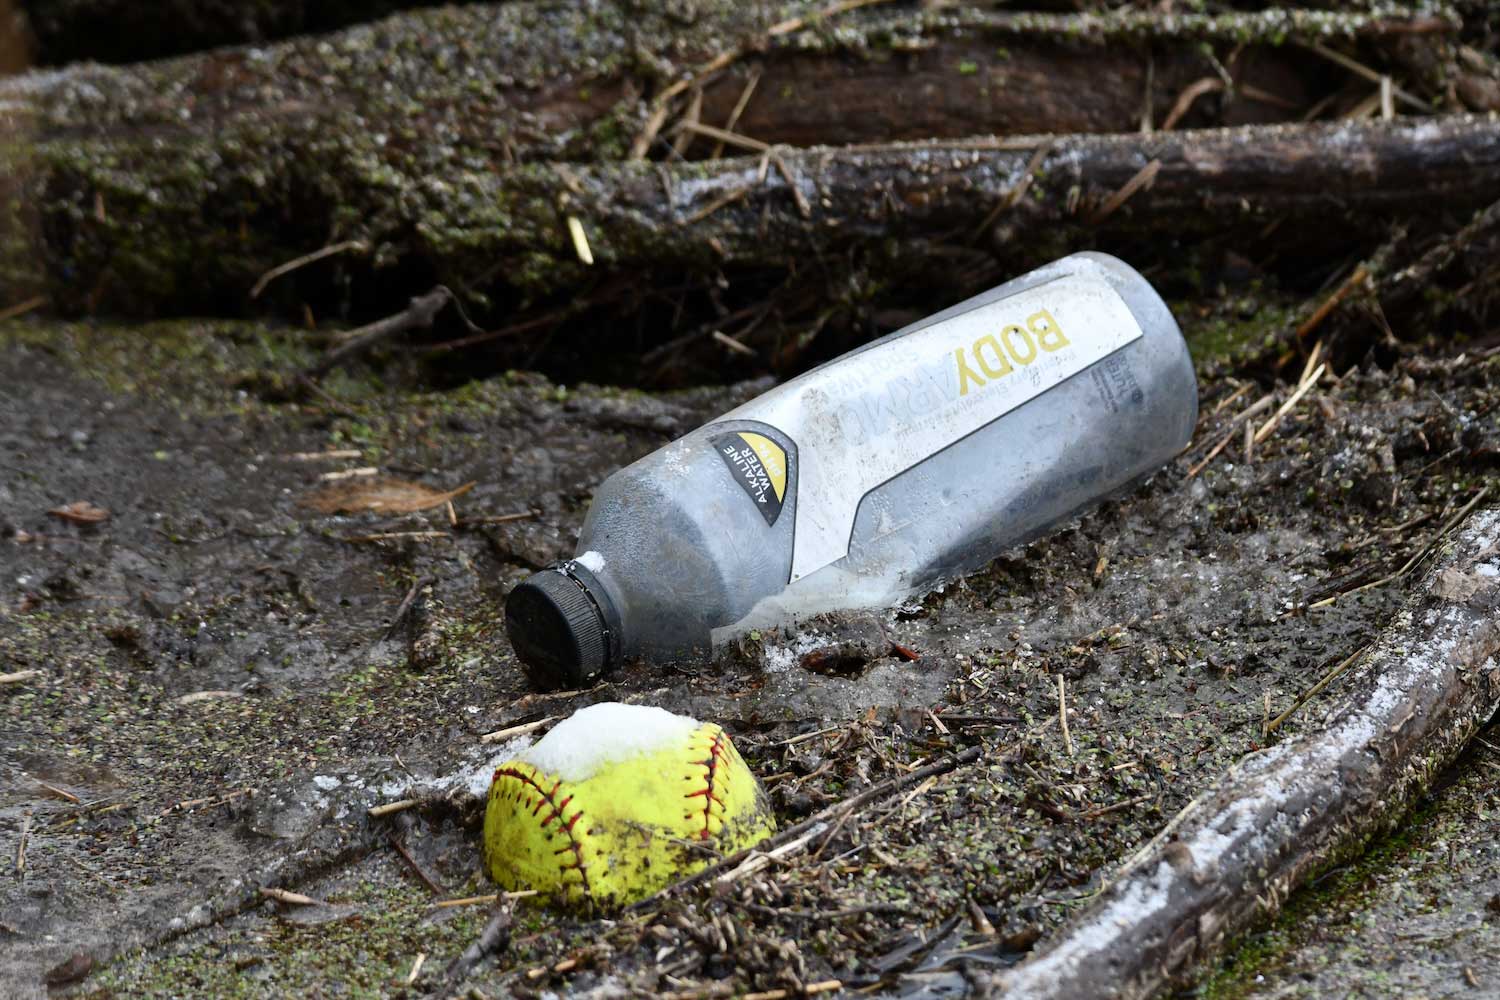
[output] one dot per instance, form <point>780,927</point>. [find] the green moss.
<point>1233,331</point>
<point>200,362</point>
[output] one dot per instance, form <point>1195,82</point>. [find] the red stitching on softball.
<point>549,798</point>
<point>716,754</point>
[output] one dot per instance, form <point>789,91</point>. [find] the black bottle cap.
<point>563,626</point>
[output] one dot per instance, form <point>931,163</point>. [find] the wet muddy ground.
<point>225,680</point>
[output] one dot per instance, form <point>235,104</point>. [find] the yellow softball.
<point>617,802</point>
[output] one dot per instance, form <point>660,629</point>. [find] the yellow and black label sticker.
<point>758,464</point>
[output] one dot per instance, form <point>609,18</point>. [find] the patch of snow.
<point>326,782</point>
<point>473,777</point>
<point>591,561</point>
<point>606,733</point>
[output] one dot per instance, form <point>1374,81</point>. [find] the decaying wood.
<point>551,80</point>
<point>1327,183</point>
<point>1208,180</point>
<point>1236,852</point>
<point>175,185</point>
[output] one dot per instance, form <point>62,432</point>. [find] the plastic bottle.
<point>873,478</point>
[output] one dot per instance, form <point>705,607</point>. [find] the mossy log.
<point>135,231</point>
<point>121,31</point>
<point>1237,851</point>
<point>170,187</point>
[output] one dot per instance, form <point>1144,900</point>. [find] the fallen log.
<point>118,31</point>
<point>1196,183</point>
<point>1232,857</point>
<point>159,187</point>
<point>532,80</point>
<point>120,226</point>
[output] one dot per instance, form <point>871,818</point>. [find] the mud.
<point>224,687</point>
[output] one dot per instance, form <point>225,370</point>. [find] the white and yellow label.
<point>869,417</point>
<point>758,464</point>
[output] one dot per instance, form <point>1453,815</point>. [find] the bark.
<point>553,80</point>
<point>135,231</point>
<point>1235,854</point>
<point>169,187</point>
<point>120,31</point>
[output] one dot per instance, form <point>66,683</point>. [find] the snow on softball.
<point>606,733</point>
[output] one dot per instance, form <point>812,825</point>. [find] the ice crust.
<point>605,733</point>
<point>591,561</point>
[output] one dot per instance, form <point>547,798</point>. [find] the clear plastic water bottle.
<point>873,478</point>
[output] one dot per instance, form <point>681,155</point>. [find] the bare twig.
<point>1358,277</point>
<point>728,198</point>
<point>1417,277</point>
<point>405,606</point>
<point>1240,418</point>
<point>342,474</point>
<point>494,937</point>
<point>758,860</point>
<point>1017,191</point>
<point>694,114</point>
<point>500,735</point>
<point>717,991</point>
<point>19,677</point>
<point>22,308</point>
<point>1360,69</point>
<point>61,793</point>
<point>723,135</point>
<point>21,845</point>
<point>797,831</point>
<point>737,110</point>
<point>419,314</point>
<point>303,261</point>
<point>1140,182</point>
<point>385,809</point>
<point>524,515</point>
<point>1295,398</point>
<point>322,456</point>
<point>1190,93</point>
<point>290,898</point>
<point>493,897</point>
<point>1062,714</point>
<point>704,72</point>
<point>1415,560</point>
<point>654,121</point>
<point>1312,692</point>
<point>734,345</point>
<point>437,890</point>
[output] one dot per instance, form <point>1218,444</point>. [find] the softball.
<point>618,801</point>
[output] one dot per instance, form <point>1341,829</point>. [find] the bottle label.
<point>758,464</point>
<point>865,419</point>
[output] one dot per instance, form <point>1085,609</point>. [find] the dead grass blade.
<point>380,496</point>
